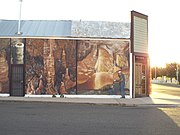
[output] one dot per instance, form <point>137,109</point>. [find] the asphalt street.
<point>30,118</point>
<point>155,115</point>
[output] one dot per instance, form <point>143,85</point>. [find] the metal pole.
<point>155,72</point>
<point>19,22</point>
<point>177,73</point>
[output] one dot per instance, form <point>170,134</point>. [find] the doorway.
<point>17,80</point>
<point>140,80</point>
<point>17,68</point>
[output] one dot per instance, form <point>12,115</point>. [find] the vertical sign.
<point>139,32</point>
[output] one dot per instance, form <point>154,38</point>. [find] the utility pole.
<point>155,72</point>
<point>177,73</point>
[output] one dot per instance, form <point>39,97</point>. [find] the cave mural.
<point>98,65</point>
<point>75,66</point>
<point>4,65</point>
<point>65,66</point>
<point>50,66</point>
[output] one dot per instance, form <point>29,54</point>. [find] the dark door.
<point>17,67</point>
<point>17,80</point>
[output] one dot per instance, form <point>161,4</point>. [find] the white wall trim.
<point>131,76</point>
<point>4,95</point>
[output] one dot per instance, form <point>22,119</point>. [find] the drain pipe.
<point>19,22</point>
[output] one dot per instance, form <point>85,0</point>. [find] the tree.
<point>171,70</point>
<point>160,71</point>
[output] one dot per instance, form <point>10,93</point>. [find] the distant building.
<point>74,57</point>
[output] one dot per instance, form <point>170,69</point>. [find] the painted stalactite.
<point>3,75</point>
<point>4,68</point>
<point>49,71</point>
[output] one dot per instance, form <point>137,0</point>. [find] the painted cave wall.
<point>98,65</point>
<point>61,66</point>
<point>50,66</point>
<point>4,65</point>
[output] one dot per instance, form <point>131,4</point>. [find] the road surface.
<point>22,118</point>
<point>166,89</point>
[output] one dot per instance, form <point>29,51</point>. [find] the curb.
<point>113,102</point>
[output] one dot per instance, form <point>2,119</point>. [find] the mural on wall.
<point>50,66</point>
<point>4,65</point>
<point>98,65</point>
<point>17,51</point>
<point>53,65</point>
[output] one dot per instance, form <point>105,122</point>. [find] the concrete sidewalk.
<point>154,100</point>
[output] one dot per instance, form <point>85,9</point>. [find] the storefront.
<point>140,59</point>
<point>80,60</point>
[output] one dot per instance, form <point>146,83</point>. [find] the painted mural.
<point>98,65</point>
<point>4,65</point>
<point>17,50</point>
<point>61,66</point>
<point>50,66</point>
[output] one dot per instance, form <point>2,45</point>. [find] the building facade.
<point>74,57</point>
